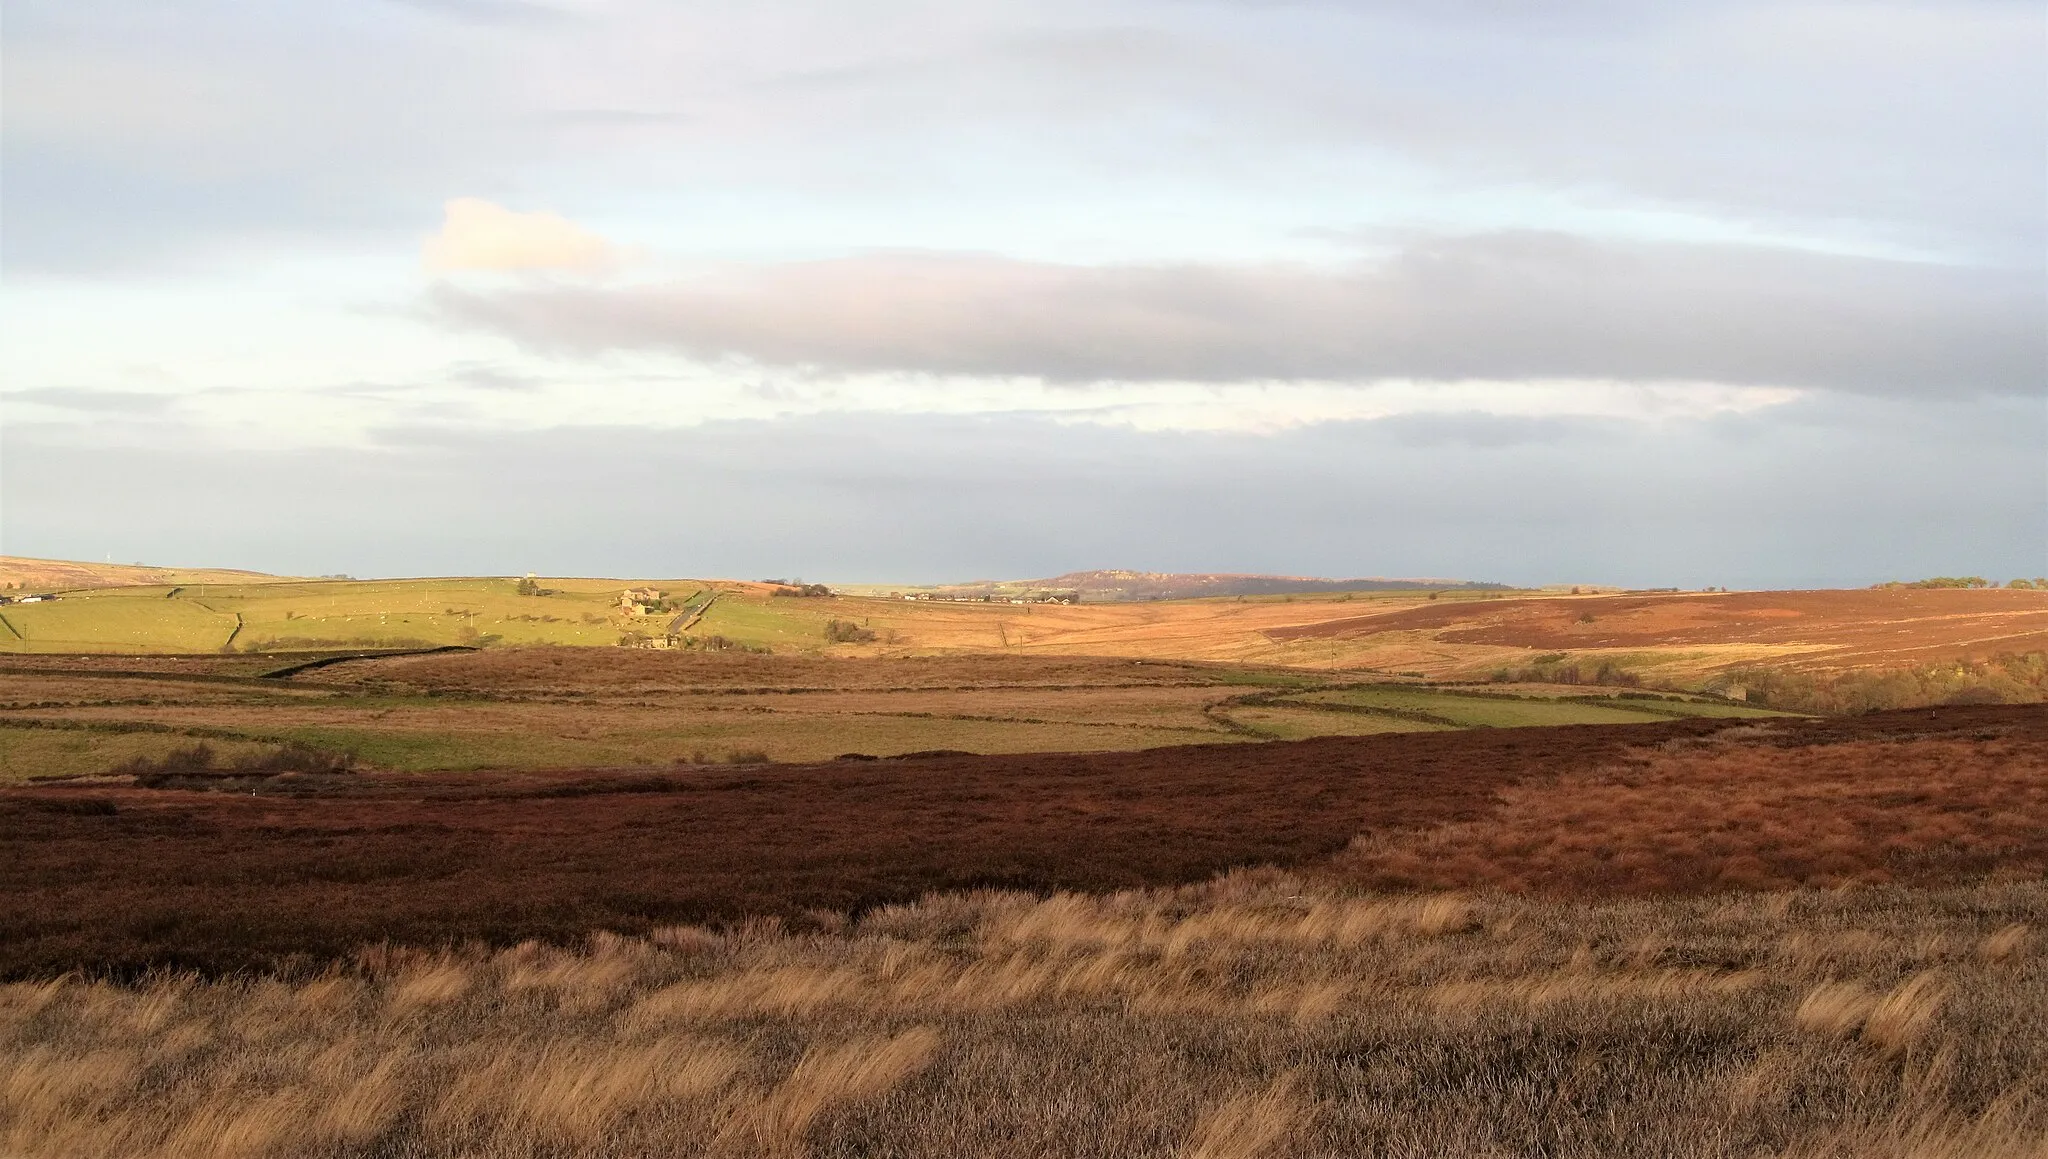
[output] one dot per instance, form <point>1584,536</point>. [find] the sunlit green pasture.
<point>117,620</point>
<point>777,623</point>
<point>314,615</point>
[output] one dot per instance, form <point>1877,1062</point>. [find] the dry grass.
<point>1258,1015</point>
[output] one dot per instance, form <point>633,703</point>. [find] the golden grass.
<point>1256,1016</point>
<point>1250,1124</point>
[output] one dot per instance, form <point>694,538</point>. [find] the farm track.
<point>124,880</point>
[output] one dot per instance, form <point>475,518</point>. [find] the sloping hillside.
<point>1118,585</point>
<point>69,575</point>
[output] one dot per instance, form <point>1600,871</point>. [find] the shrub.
<point>847,632</point>
<point>1940,581</point>
<point>2008,678</point>
<point>801,591</point>
<point>1553,669</point>
<point>716,643</point>
<point>199,763</point>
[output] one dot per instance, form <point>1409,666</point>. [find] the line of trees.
<point>1963,581</point>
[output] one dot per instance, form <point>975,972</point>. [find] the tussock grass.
<point>1257,1015</point>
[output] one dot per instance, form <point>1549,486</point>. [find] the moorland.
<point>431,867</point>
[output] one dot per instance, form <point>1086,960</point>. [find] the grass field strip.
<point>387,722</point>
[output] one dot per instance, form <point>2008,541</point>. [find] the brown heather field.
<point>228,873</point>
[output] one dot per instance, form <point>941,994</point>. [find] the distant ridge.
<point>1113,585</point>
<point>18,571</point>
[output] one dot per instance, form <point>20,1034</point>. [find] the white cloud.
<point>478,235</point>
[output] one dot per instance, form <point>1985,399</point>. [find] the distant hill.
<point>70,575</point>
<point>1118,585</point>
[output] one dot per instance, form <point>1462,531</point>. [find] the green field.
<point>779,624</point>
<point>315,615</point>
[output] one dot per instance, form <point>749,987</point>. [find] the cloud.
<point>1497,306</point>
<point>478,235</point>
<point>1817,498</point>
<point>119,403</point>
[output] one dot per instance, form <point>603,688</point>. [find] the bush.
<point>1554,669</point>
<point>2008,678</point>
<point>1941,581</point>
<point>847,632</point>
<point>198,763</point>
<point>719,644</point>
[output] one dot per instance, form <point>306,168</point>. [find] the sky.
<point>1720,292</point>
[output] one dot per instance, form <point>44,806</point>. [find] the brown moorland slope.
<point>70,575</point>
<point>1699,814</point>
<point>128,878</point>
<point>1831,628</point>
<point>1121,585</point>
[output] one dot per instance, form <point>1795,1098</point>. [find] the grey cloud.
<point>486,376</point>
<point>1498,306</point>
<point>1739,501</point>
<point>135,129</point>
<point>487,11</point>
<point>95,402</point>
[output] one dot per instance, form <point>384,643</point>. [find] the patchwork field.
<point>525,708</point>
<point>297,616</point>
<point>1680,640</point>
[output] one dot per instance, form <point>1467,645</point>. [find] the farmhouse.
<point>634,601</point>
